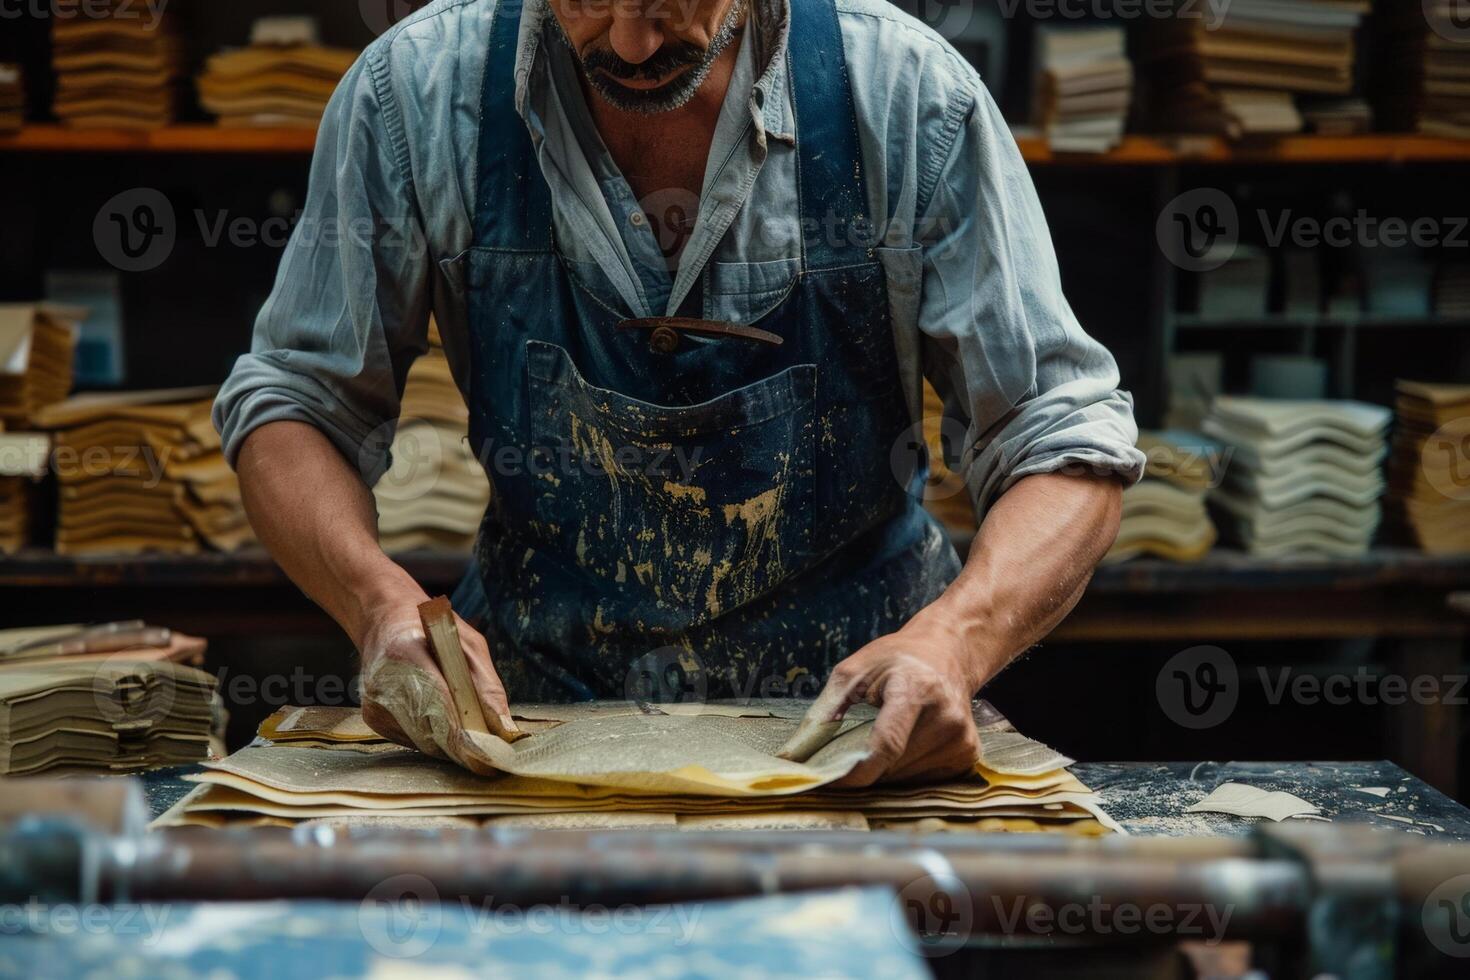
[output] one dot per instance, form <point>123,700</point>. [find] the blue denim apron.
<point>718,507</point>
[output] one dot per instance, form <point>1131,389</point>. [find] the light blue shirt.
<point>974,291</point>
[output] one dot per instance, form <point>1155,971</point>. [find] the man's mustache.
<point>664,62</point>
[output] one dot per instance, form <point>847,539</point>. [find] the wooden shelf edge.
<point>1136,150</point>
<point>193,138</point>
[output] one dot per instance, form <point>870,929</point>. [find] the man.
<point>829,199</point>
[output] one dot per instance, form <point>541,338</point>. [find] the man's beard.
<point>602,69</point>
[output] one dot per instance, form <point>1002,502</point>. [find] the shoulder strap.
<point>513,203</point>
<point>836,230</point>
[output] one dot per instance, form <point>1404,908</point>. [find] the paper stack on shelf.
<point>113,698</point>
<point>1429,476</point>
<point>284,78</point>
<point>1452,290</point>
<point>1233,68</point>
<point>1164,513</point>
<point>1304,477</point>
<point>117,63</point>
<point>610,764</point>
<point>1444,109</point>
<point>36,347</point>
<point>434,495</point>
<point>1084,84</point>
<point>12,98</point>
<point>23,461</point>
<point>143,471</point>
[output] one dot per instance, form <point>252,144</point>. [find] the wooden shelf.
<point>1302,149</point>
<point>1135,151</point>
<point>200,139</point>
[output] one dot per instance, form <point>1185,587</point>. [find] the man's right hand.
<point>404,696</point>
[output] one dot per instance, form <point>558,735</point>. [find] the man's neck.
<point>657,151</point>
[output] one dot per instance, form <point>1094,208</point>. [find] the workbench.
<point>1149,798</point>
<point>1296,898</point>
<point>1411,601</point>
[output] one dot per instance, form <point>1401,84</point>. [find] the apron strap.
<point>513,209</point>
<point>829,160</point>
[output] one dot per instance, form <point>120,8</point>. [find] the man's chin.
<point>662,97</point>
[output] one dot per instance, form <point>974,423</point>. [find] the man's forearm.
<point>1028,566</point>
<point>313,513</point>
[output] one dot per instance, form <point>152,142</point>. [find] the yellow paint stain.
<point>681,491</point>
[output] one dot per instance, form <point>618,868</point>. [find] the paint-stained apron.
<point>716,515</point>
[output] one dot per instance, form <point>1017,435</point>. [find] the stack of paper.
<point>1234,68</point>
<point>117,63</point>
<point>284,78</point>
<point>1429,476</point>
<point>12,98</point>
<point>143,471</point>
<point>1444,109</point>
<point>23,461</point>
<point>434,494</point>
<point>1084,85</point>
<point>36,348</point>
<point>1452,290</point>
<point>606,764</point>
<point>1164,513</point>
<point>107,713</point>
<point>1304,476</point>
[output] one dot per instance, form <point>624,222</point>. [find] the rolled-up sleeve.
<point>349,310</point>
<point>1033,392</point>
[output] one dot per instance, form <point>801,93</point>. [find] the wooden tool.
<point>443,633</point>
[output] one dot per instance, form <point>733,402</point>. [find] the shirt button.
<point>664,340</point>
<point>636,218</point>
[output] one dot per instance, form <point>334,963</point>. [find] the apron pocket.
<point>699,509</point>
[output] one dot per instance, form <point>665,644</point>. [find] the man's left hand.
<point>921,679</point>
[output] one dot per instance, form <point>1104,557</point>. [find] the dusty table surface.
<point>1149,798</point>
